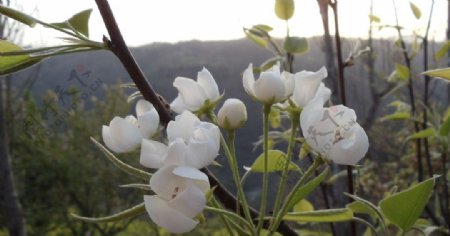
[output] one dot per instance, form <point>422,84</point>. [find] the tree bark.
<point>8,198</point>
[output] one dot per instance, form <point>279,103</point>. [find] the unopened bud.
<point>232,115</point>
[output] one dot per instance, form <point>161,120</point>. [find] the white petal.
<point>176,153</point>
<point>143,106</point>
<point>164,183</point>
<point>342,114</point>
<point>108,140</point>
<point>209,85</point>
<point>248,80</point>
<point>152,153</point>
<point>191,93</point>
<point>182,126</point>
<point>178,105</point>
<point>289,83</point>
<point>125,135</point>
<point>148,122</point>
<point>352,148</point>
<point>306,85</point>
<point>203,148</point>
<point>199,178</point>
<point>190,202</point>
<point>269,87</point>
<point>165,216</point>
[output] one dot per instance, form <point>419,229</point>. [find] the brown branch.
<point>117,45</point>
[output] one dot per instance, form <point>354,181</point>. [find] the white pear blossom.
<point>193,95</point>
<point>232,115</point>
<point>271,86</point>
<point>191,142</point>
<point>125,134</point>
<point>307,84</point>
<point>180,196</point>
<point>334,132</point>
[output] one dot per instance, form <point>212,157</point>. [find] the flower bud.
<point>232,115</point>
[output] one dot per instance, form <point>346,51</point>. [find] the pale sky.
<point>147,21</point>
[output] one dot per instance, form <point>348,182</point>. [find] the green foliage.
<point>79,23</point>
<point>423,134</point>
<point>399,115</point>
<point>404,208</point>
<point>296,45</point>
<point>440,73</point>
<point>303,205</point>
<point>256,37</point>
<point>125,214</point>
<point>442,51</point>
<point>402,71</point>
<point>277,160</point>
<point>374,18</point>
<point>332,215</point>
<point>307,188</point>
<point>284,9</point>
<point>17,15</point>
<point>13,63</point>
<point>416,11</point>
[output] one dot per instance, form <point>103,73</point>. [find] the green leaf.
<point>402,71</point>
<point>80,22</point>
<point>360,207</point>
<point>277,160</point>
<point>131,212</point>
<point>404,208</point>
<point>296,45</point>
<point>269,63</point>
<point>307,188</point>
<point>121,165</point>
<point>400,115</point>
<point>284,9</point>
<point>258,40</point>
<point>303,206</point>
<point>445,128</point>
<point>368,205</point>
<point>307,232</point>
<point>275,118</point>
<point>441,73</point>
<point>13,63</point>
<point>18,16</point>
<point>415,10</point>
<point>262,27</point>
<point>374,18</point>
<point>77,23</point>
<point>443,50</point>
<point>137,186</point>
<point>423,134</point>
<point>331,215</point>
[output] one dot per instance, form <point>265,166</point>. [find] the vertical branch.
<point>341,91</point>
<point>411,95</point>
<point>426,91</point>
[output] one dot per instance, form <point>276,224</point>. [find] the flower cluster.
<point>178,184</point>
<point>333,132</point>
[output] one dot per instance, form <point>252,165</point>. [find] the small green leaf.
<point>13,63</point>
<point>404,208</point>
<point>303,206</point>
<point>415,10</point>
<point>443,50</point>
<point>307,188</point>
<point>441,73</point>
<point>277,160</point>
<point>400,115</point>
<point>137,186</point>
<point>269,63</point>
<point>258,40</point>
<point>361,208</point>
<point>374,18</point>
<point>80,22</point>
<point>423,134</point>
<point>368,205</point>
<point>275,118</point>
<point>445,128</point>
<point>18,16</point>
<point>121,165</point>
<point>331,215</point>
<point>284,9</point>
<point>402,71</point>
<point>131,212</point>
<point>262,27</point>
<point>296,45</point>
